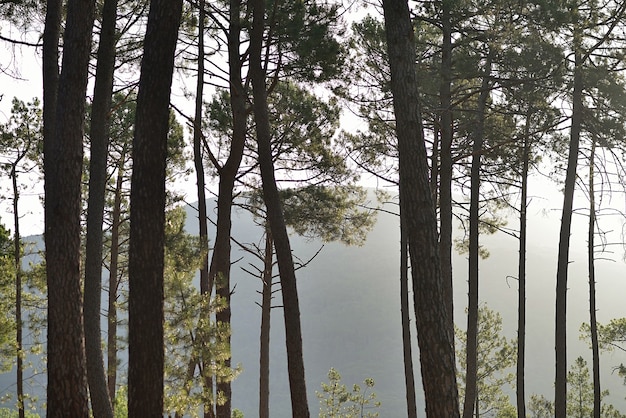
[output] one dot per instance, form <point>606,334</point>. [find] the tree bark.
<point>560,346</point>
<point>276,219</point>
<point>266,311</point>
<point>63,160</point>
<point>409,378</point>
<point>17,255</point>
<point>471,383</point>
<point>593,322</point>
<point>434,331</point>
<point>99,136</point>
<point>147,224</point>
<point>521,276</point>
<point>219,272</point>
<point>205,287</point>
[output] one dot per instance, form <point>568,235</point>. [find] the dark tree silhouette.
<point>146,251</point>
<point>63,161</point>
<point>435,334</point>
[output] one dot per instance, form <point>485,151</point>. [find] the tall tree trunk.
<point>471,386</point>
<point>205,288</point>
<point>521,301</point>
<point>219,272</point>
<point>147,224</point>
<point>293,333</point>
<point>560,346</point>
<point>99,136</point>
<point>445,170</point>
<point>50,73</point>
<point>17,255</point>
<point>266,311</point>
<point>434,330</point>
<point>409,378</point>
<point>593,323</point>
<point>63,160</point>
<point>114,282</point>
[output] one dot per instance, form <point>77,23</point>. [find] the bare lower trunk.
<point>19,366</point>
<point>220,261</point>
<point>266,311</point>
<point>99,136</point>
<point>521,301</point>
<point>471,378</point>
<point>560,345</point>
<point>409,378</point>
<point>597,393</point>
<point>147,224</point>
<point>435,333</point>
<point>276,219</point>
<point>67,393</point>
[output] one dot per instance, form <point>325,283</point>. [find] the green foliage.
<point>305,34</point>
<point>496,355</point>
<point>611,337</point>
<point>336,401</point>
<point>330,213</point>
<point>191,338</point>
<point>579,397</point>
<point>10,413</point>
<point>120,407</point>
<point>21,136</point>
<point>7,302</point>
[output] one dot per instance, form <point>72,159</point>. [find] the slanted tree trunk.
<point>560,346</point>
<point>471,378</point>
<point>434,330</point>
<point>521,276</point>
<point>98,390</point>
<point>593,322</point>
<point>63,159</point>
<point>114,281</point>
<point>409,378</point>
<point>276,219</point>
<point>147,224</point>
<point>266,311</point>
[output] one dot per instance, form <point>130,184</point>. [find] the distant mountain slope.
<point>351,316</point>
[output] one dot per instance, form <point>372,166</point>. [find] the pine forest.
<point>295,208</point>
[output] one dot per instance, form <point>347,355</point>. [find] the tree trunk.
<point>205,288</point>
<point>521,301</point>
<point>147,224</point>
<point>63,160</point>
<point>266,311</point>
<point>560,346</point>
<point>114,281</point>
<point>434,330</point>
<point>445,170</point>
<point>50,58</point>
<point>17,255</point>
<point>276,219</point>
<point>593,323</point>
<point>99,135</point>
<point>219,272</point>
<point>409,378</point>
<point>471,388</point>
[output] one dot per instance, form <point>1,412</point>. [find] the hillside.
<point>351,317</point>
